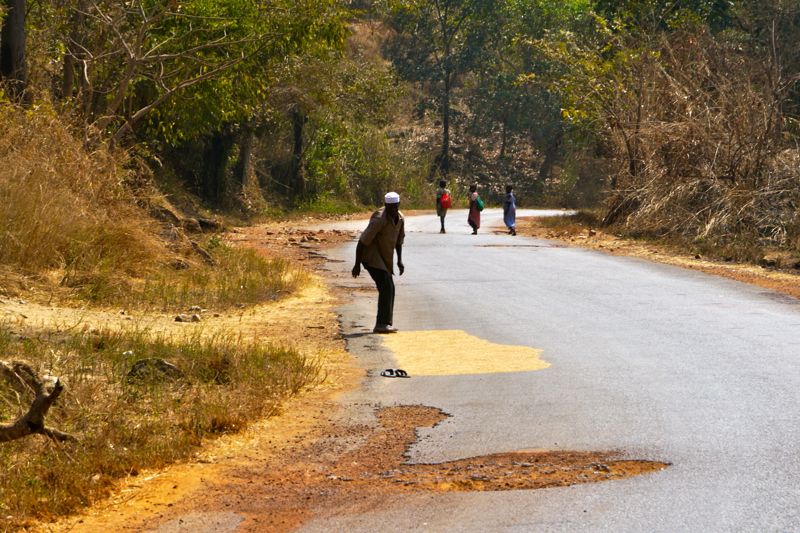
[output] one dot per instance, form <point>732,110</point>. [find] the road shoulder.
<point>781,281</point>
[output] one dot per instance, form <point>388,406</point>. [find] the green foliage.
<point>437,42</point>
<point>172,71</point>
<point>563,87</point>
<point>513,89</point>
<point>330,204</point>
<point>188,79</point>
<point>594,68</point>
<point>347,104</point>
<point>439,39</point>
<point>361,165</point>
<point>233,94</point>
<point>270,41</point>
<point>653,15</point>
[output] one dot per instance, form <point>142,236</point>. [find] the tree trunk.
<point>244,173</point>
<point>503,138</point>
<point>71,53</point>
<point>551,154</point>
<point>297,178</point>
<point>12,50</point>
<point>68,78</point>
<point>633,158</point>
<point>444,157</point>
<point>216,166</point>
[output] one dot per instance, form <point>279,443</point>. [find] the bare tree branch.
<point>22,378</point>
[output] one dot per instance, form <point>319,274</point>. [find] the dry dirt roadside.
<point>305,321</point>
<point>308,461</point>
<point>782,281</point>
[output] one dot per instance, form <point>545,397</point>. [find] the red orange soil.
<point>312,481</point>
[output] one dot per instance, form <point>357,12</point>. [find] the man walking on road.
<point>375,250</point>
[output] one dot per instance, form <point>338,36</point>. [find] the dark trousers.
<point>385,284</point>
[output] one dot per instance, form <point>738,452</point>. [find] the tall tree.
<point>13,69</point>
<point>224,115</point>
<point>513,86</point>
<point>437,42</point>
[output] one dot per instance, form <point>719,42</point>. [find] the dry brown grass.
<point>71,219</point>
<point>74,222</point>
<point>124,426</point>
<point>64,208</point>
<point>701,140</point>
<point>238,277</point>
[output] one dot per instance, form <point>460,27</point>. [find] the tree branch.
<point>21,377</point>
<point>128,125</point>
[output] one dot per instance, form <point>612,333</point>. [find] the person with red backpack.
<point>443,202</point>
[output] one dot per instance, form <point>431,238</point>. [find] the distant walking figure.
<point>375,250</point>
<point>443,202</point>
<point>510,210</point>
<point>474,216</point>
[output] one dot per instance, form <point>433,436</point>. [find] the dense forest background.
<point>679,118</point>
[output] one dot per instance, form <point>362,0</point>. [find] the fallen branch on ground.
<point>23,379</point>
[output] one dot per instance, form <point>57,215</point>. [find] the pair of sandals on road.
<point>394,373</point>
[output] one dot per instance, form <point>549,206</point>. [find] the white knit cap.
<point>391,198</point>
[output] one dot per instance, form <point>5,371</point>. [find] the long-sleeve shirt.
<point>381,238</point>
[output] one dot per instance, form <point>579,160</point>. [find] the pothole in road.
<point>520,246</point>
<point>385,454</point>
<point>372,464</point>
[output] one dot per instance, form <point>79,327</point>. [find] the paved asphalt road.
<point>658,362</point>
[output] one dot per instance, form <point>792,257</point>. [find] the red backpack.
<point>445,201</point>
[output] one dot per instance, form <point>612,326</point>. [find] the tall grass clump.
<point>706,154</point>
<point>62,207</point>
<point>124,424</point>
<point>77,214</point>
<point>239,276</point>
